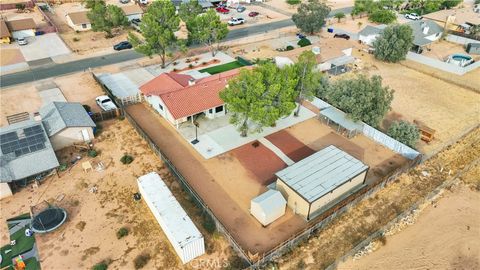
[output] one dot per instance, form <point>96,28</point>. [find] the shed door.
<point>85,135</point>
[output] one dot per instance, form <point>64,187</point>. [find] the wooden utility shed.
<point>320,181</point>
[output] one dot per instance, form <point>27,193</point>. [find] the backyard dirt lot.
<point>79,87</point>
<point>443,106</point>
<point>445,236</point>
<point>228,182</point>
<point>89,235</point>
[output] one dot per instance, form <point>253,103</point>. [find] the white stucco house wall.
<point>78,21</point>
<point>132,12</point>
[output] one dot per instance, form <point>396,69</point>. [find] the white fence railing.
<point>434,63</point>
<point>389,142</point>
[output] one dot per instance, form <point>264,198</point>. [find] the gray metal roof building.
<point>57,116</point>
<point>25,151</point>
<point>322,172</point>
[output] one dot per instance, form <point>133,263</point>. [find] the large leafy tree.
<point>382,16</point>
<point>189,10</point>
<point>404,132</point>
<point>207,29</point>
<point>393,44</point>
<point>308,78</point>
<point>363,6</point>
<point>105,17</point>
<point>362,98</point>
<point>158,27</point>
<point>310,16</point>
<point>259,97</point>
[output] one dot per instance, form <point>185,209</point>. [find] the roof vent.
<point>425,29</point>
<point>191,82</point>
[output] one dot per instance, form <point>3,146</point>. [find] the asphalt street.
<point>51,69</point>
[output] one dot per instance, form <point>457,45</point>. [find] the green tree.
<point>259,97</point>
<point>158,26</point>
<point>382,16</point>
<point>310,16</point>
<point>105,17</point>
<point>363,6</point>
<point>293,2</point>
<point>339,16</point>
<point>207,29</point>
<point>404,132</point>
<point>308,78</point>
<point>189,10</point>
<point>362,98</point>
<point>448,4</point>
<point>393,44</point>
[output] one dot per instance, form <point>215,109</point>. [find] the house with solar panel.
<point>67,123</point>
<point>25,153</point>
<point>320,181</point>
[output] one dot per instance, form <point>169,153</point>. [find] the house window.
<point>84,25</point>
<point>160,106</point>
<point>210,111</point>
<point>219,109</point>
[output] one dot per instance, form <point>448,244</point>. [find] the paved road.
<point>53,70</point>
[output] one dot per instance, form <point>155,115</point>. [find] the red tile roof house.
<point>180,98</point>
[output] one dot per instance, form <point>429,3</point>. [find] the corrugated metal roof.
<point>57,116</point>
<point>321,172</point>
<point>176,220</point>
<point>14,167</point>
<point>120,85</point>
<point>341,118</point>
<point>270,200</point>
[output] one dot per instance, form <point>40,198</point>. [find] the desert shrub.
<point>141,260</point>
<point>293,2</point>
<point>100,266</point>
<point>122,232</point>
<point>383,240</point>
<point>63,167</point>
<point>208,223</point>
<point>404,132</point>
<point>75,39</point>
<point>126,159</point>
<point>190,65</point>
<point>304,42</point>
<point>382,16</point>
<point>92,153</point>
<point>175,63</point>
<point>289,48</point>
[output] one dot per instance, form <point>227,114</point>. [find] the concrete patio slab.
<point>226,138</point>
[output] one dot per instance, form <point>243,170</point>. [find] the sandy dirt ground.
<point>79,87</point>
<point>10,56</point>
<point>89,235</point>
<point>445,107</point>
<point>349,24</point>
<point>13,14</point>
<point>290,146</point>
<point>445,236</point>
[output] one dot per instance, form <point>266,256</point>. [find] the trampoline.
<point>48,220</point>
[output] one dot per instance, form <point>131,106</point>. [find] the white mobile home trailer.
<point>184,236</point>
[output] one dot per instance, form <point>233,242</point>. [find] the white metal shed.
<point>268,207</point>
<point>184,236</point>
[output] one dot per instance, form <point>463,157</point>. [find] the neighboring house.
<point>132,12</point>
<point>204,3</point>
<point>368,34</point>
<point>180,98</point>
<point>456,17</point>
<point>4,33</point>
<point>320,181</point>
<point>333,55</point>
<point>25,153</point>
<point>66,123</point>
<point>78,21</point>
<point>425,32</point>
<point>22,28</point>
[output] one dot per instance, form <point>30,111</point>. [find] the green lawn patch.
<point>23,243</point>
<point>6,258</point>
<point>222,68</point>
<point>32,264</point>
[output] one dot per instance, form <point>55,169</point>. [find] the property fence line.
<point>455,38</point>
<point>186,186</point>
<point>389,142</point>
<point>52,28</point>
<point>7,6</point>
<point>461,34</point>
<point>381,232</point>
<point>103,116</point>
<point>447,67</point>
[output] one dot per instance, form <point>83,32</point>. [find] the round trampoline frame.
<point>40,230</point>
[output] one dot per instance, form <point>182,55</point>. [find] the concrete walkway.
<point>277,151</point>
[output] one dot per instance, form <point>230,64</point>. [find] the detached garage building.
<point>184,236</point>
<point>321,180</point>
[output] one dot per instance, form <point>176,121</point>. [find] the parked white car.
<point>105,103</point>
<point>413,16</point>
<point>22,41</point>
<point>236,21</point>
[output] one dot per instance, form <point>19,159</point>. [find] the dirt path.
<point>245,229</point>
<point>445,236</point>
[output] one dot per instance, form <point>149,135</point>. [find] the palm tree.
<point>339,16</point>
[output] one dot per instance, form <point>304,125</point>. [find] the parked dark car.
<point>39,33</point>
<point>253,14</point>
<point>122,46</point>
<point>345,36</point>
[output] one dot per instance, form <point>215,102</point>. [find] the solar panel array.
<point>21,142</point>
